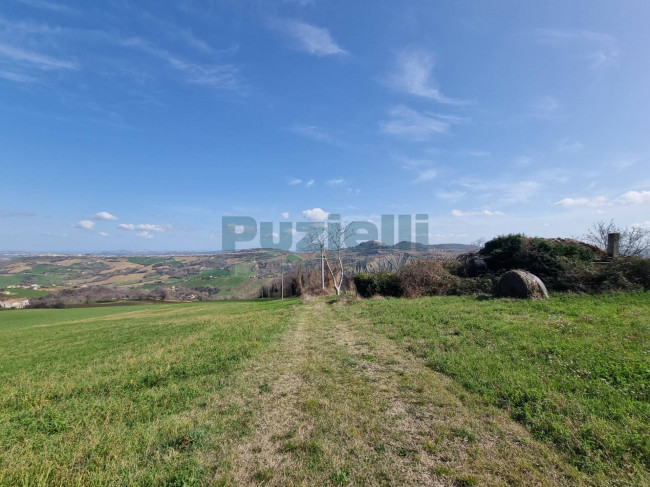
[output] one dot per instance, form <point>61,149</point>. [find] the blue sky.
<point>139,124</point>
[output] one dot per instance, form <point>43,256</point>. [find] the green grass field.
<point>108,395</point>
<point>432,391</point>
<point>23,293</point>
<point>575,370</point>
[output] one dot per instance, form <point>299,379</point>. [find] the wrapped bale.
<point>521,284</point>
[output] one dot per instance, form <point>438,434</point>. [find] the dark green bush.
<point>504,247</point>
<point>561,249</point>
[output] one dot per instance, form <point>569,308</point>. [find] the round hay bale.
<point>521,284</point>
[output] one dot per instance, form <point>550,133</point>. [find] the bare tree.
<point>479,242</point>
<point>635,241</point>
<point>329,241</point>
<point>337,235</point>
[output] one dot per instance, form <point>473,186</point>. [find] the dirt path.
<point>335,404</point>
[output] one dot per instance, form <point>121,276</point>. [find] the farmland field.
<point>433,391</point>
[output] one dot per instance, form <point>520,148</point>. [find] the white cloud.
<point>309,183</point>
<point>85,224</point>
<point>144,235</point>
<point>220,76</point>
<point>311,132</point>
<point>146,227</point>
<point>104,234</point>
<point>336,182</point>
<point>33,59</point>
<point>311,39</point>
<point>628,198</point>
<point>413,75</point>
<point>636,198</point>
<point>285,215</point>
<point>474,153</point>
<point>426,175</point>
<point>567,145</point>
<point>16,77</point>
<point>545,107</point>
<point>48,6</point>
<point>592,202</point>
<point>459,213</point>
<point>451,195</point>
<point>603,48</point>
<point>104,215</point>
<point>294,181</point>
<point>627,160</point>
<point>315,215</point>
<point>415,125</point>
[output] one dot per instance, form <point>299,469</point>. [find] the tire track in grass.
<point>335,404</point>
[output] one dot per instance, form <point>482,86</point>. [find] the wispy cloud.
<point>285,215</point>
<point>336,182</point>
<point>459,213</point>
<point>220,76</point>
<point>315,215</point>
<point>297,181</point>
<point>569,146</point>
<point>625,161</point>
<point>412,124</point>
<point>146,227</point>
<point>413,74</point>
<point>422,167</point>
<point>104,215</point>
<point>603,48</point>
<point>13,213</point>
<point>545,107</point>
<point>627,198</point>
<point>425,175</point>
<point>451,195</point>
<point>343,184</point>
<point>33,59</point>
<point>42,4</point>
<point>144,234</point>
<point>16,77</point>
<point>183,34</point>
<point>309,38</point>
<point>474,153</point>
<point>310,132</point>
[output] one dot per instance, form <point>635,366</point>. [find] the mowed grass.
<point>575,370</point>
<point>118,396</point>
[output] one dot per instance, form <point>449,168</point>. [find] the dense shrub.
<point>503,248</point>
<point>634,269</point>
<point>473,285</point>
<point>381,283</point>
<point>425,278</point>
<point>105,294</point>
<point>563,265</point>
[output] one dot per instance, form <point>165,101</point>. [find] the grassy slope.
<point>219,393</point>
<point>105,395</point>
<point>23,293</point>
<point>575,370</point>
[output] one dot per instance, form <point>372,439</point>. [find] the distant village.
<point>16,303</point>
